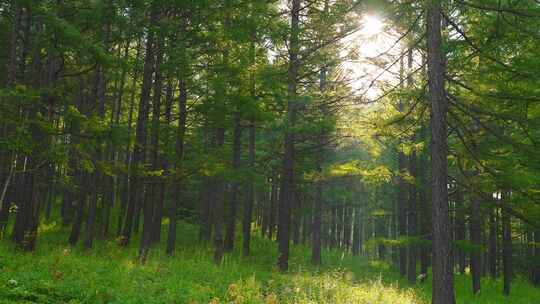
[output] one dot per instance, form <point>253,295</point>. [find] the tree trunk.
<point>99,95</point>
<point>425,207</point>
<point>205,229</point>
<point>156,190</point>
<point>402,213</point>
<point>181,131</point>
<point>506,246</point>
<point>357,233</point>
<point>412,229</point>
<point>248,200</point>
<point>233,206</point>
<point>149,204</point>
<point>79,213</point>
<point>287,177</point>
<point>443,277</point>
<point>476,240</point>
<point>126,189</point>
<point>493,236</point>
<point>140,145</point>
<point>317,212</point>
<point>273,200</point>
<point>460,228</point>
<point>218,201</point>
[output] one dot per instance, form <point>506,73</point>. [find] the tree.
<point>443,284</point>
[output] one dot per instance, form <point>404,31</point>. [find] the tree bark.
<point>233,206</point>
<point>476,240</point>
<point>248,202</point>
<point>181,131</point>
<point>358,232</point>
<point>493,236</point>
<point>287,176</point>
<point>218,202</point>
<point>412,228</point>
<point>506,246</point>
<point>443,277</point>
<point>140,144</point>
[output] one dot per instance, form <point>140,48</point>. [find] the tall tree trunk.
<point>460,228</point>
<point>81,177</point>
<point>140,143</point>
<point>402,212</point>
<point>273,200</point>
<point>347,229</point>
<point>443,276</point>
<point>412,229</point>
<point>249,196</point>
<point>248,200</point>
<point>493,236</point>
<point>506,245</point>
<point>425,207</point>
<point>149,220</point>
<point>218,202</point>
<point>476,240</point>
<point>358,232</point>
<point>233,206</point>
<point>205,230</point>
<point>296,218</point>
<point>126,189</point>
<point>287,177</point>
<point>155,190</point>
<point>177,187</point>
<point>99,95</point>
<point>317,212</point>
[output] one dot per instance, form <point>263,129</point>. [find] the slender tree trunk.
<point>412,229</point>
<point>506,247</point>
<point>140,145</point>
<point>273,199</point>
<point>248,202</point>
<point>79,213</point>
<point>177,187</point>
<point>476,240</point>
<point>233,206</point>
<point>296,217</point>
<point>425,207</point>
<point>99,95</point>
<point>493,243</point>
<point>358,232</point>
<point>443,277</point>
<point>218,202</point>
<point>149,221</point>
<point>402,213</point>
<point>317,212</point>
<point>287,178</point>
<point>155,192</point>
<point>126,189</point>
<point>205,230</point>
<point>460,228</point>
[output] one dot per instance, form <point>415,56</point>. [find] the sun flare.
<point>371,25</point>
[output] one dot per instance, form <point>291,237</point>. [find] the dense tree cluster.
<point>119,117</point>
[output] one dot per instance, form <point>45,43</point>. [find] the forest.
<point>270,151</point>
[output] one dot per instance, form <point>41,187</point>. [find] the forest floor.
<point>55,273</point>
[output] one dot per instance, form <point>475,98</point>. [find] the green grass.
<point>55,273</point>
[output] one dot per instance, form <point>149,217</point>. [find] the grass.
<point>55,273</point>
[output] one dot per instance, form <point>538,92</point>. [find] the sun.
<point>371,25</point>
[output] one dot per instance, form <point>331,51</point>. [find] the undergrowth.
<point>56,273</point>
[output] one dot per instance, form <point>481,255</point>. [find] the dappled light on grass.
<point>108,274</point>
